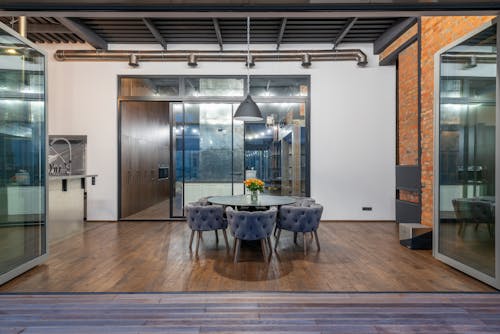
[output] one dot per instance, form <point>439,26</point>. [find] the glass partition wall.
<point>211,153</point>
<point>466,169</point>
<point>22,155</point>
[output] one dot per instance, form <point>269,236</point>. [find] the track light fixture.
<point>192,61</point>
<point>133,61</point>
<point>306,60</point>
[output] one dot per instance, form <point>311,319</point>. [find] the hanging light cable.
<point>248,109</point>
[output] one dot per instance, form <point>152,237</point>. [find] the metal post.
<point>23,26</point>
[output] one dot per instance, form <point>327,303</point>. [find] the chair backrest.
<point>204,200</point>
<point>463,209</point>
<point>303,201</point>
<point>205,217</point>
<point>255,225</point>
<point>300,219</point>
<point>482,212</point>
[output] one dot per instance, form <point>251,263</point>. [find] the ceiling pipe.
<point>257,55</point>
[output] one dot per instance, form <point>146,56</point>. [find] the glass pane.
<point>467,118</point>
<point>159,87</point>
<point>214,87</point>
<point>178,163</point>
<point>22,153</point>
<point>275,148</point>
<point>288,86</point>
<point>207,150</point>
<point>238,155</point>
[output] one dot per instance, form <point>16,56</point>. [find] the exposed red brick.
<point>436,33</point>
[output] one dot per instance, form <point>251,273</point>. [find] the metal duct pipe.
<point>257,55</point>
<point>23,26</point>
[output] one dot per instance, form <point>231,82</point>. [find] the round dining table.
<point>245,201</point>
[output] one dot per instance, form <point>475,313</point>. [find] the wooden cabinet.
<point>144,148</point>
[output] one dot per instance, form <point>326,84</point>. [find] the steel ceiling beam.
<point>345,30</point>
<point>77,27</point>
<point>49,28</point>
<point>281,33</point>
<point>155,32</point>
<point>218,33</point>
<point>393,33</point>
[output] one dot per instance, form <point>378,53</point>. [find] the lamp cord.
<point>248,55</point>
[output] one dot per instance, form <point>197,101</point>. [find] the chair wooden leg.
<point>270,247</point>
<point>225,240</point>
<point>198,242</point>
<point>295,237</point>
<point>234,244</point>
<point>317,240</point>
<point>263,247</point>
<point>191,239</point>
<point>305,244</point>
<point>237,250</point>
<point>277,239</point>
<point>216,237</point>
<point>275,230</point>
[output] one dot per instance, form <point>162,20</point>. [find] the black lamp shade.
<point>248,111</point>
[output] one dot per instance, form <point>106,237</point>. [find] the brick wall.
<point>408,112</point>
<point>436,33</point>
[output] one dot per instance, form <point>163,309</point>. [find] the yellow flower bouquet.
<point>254,184</point>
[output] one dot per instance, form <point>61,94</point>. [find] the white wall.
<point>352,126</point>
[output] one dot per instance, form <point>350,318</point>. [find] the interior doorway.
<point>144,160</point>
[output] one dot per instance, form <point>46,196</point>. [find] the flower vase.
<point>254,196</point>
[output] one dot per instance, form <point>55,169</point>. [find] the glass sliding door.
<point>208,150</point>
<point>211,152</point>
<point>275,148</point>
<point>22,155</point>
<point>466,169</point>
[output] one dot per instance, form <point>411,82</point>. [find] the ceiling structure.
<point>279,31</point>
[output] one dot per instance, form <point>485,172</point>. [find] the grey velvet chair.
<point>202,218</point>
<point>204,200</point>
<point>300,202</point>
<point>300,220</point>
<point>257,225</point>
<point>303,201</point>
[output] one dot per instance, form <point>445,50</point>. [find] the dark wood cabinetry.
<point>145,140</point>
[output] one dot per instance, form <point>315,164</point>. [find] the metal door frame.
<point>5,277</point>
<point>493,281</point>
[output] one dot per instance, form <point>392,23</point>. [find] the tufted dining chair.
<point>303,201</point>
<point>257,225</point>
<point>300,220</point>
<point>299,202</point>
<point>202,218</point>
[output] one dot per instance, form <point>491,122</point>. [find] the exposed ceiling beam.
<point>392,34</point>
<point>345,30</point>
<point>281,33</point>
<point>237,14</point>
<point>49,28</point>
<point>218,33</point>
<point>81,30</point>
<point>156,33</point>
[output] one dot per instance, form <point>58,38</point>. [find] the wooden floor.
<point>154,257</point>
<point>354,313</point>
<point>158,211</point>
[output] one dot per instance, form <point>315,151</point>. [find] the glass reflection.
<point>467,118</point>
<point>275,149</point>
<point>22,153</point>
<point>207,150</point>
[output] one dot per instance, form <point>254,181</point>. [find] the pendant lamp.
<point>248,109</point>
